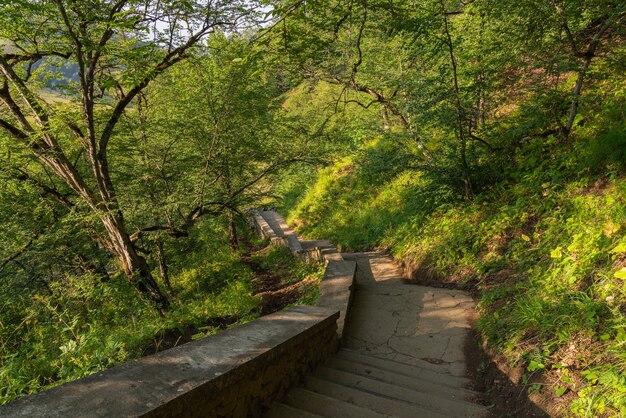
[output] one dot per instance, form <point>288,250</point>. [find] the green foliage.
<point>279,261</point>
<point>369,192</point>
<point>544,242</point>
<point>441,125</point>
<point>79,324</point>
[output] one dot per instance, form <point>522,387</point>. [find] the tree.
<point>117,48</point>
<point>565,34</point>
<point>400,58</point>
<point>208,137</point>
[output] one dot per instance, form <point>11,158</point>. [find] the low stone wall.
<point>337,288</point>
<point>277,230</point>
<point>338,283</point>
<point>234,373</point>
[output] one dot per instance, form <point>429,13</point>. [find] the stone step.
<point>420,383</point>
<point>445,402</point>
<point>425,370</point>
<point>370,400</point>
<point>282,230</point>
<point>270,218</point>
<point>327,406</point>
<point>280,410</point>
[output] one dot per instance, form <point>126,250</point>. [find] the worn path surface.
<point>402,351</point>
<point>405,322</point>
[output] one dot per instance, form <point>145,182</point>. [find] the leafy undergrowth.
<point>543,248</point>
<point>281,280</point>
<point>82,325</point>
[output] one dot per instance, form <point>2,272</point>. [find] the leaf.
<point>590,376</point>
<point>620,274</point>
<point>535,365</point>
<point>559,390</point>
<point>556,253</point>
<point>525,237</point>
<point>578,119</point>
<point>621,248</point>
<point>609,229</point>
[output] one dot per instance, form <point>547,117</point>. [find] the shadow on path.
<point>394,319</point>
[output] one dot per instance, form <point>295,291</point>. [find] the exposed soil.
<point>275,293</point>
<point>425,276</point>
<point>499,385</point>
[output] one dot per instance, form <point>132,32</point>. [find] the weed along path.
<point>401,354</point>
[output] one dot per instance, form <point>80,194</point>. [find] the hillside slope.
<point>542,245</point>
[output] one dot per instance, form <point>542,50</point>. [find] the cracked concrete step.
<point>425,370</point>
<point>439,368</point>
<point>420,383</point>
<point>280,410</point>
<point>445,402</point>
<point>370,400</point>
<point>327,406</point>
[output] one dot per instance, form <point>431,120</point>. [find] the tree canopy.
<point>135,135</point>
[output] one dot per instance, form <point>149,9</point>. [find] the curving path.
<point>401,356</point>
<point>404,322</point>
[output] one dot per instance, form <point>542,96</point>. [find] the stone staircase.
<point>360,385</point>
<point>402,350</point>
<point>400,354</point>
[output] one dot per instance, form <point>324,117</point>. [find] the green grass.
<point>83,326</point>
<point>545,244</point>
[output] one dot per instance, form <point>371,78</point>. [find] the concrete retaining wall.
<point>234,373</point>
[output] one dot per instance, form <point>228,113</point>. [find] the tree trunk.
<point>232,231</point>
<point>163,267</point>
<point>587,55</point>
<point>386,123</point>
<point>135,266</point>
<point>460,123</point>
<point>576,95</point>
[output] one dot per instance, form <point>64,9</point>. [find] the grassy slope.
<point>82,325</point>
<point>545,245</point>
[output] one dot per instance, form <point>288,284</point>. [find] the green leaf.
<point>535,365</point>
<point>556,253</point>
<point>559,390</point>
<point>621,248</point>
<point>590,376</point>
<point>621,273</point>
